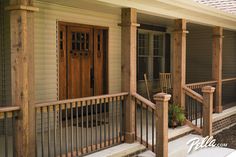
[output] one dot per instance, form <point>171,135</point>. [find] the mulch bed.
<point>227,136</point>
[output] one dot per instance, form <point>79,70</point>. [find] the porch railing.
<point>228,92</point>
<point>199,108</point>
<point>144,117</point>
<point>194,109</point>
<point>80,126</point>
<point>8,117</point>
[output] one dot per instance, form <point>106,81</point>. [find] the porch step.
<point>176,148</point>
<point>122,150</point>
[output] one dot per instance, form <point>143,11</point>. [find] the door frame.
<point>59,23</point>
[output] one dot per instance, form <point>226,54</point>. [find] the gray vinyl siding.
<point>229,66</point>
<point>199,55</point>
<point>5,74</point>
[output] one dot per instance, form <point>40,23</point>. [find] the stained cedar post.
<point>207,110</point>
<point>161,100</point>
<point>128,69</point>
<point>217,66</point>
<point>22,74</point>
<point>179,62</point>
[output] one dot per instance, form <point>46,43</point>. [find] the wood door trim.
<point>82,25</point>
<point>67,24</point>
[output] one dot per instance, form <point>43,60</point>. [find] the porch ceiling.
<point>86,4</point>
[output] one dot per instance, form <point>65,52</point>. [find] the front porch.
<point>42,114</point>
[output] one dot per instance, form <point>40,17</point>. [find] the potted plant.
<point>176,116</point>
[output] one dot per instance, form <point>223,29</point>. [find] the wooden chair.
<point>166,82</point>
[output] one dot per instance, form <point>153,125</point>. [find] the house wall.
<point>5,73</point>
<point>199,59</point>
<point>229,66</point>
<point>46,56</point>
<point>199,54</point>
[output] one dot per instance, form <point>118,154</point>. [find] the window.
<point>150,54</point>
<point>143,55</point>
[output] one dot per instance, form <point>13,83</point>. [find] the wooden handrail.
<point>80,99</point>
<point>144,100</point>
<point>9,109</point>
<point>193,94</point>
<point>201,83</point>
<point>229,79</point>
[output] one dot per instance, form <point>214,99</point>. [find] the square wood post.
<point>128,69</point>
<point>217,66</point>
<point>207,110</point>
<point>22,74</point>
<point>179,62</point>
<point>161,100</point>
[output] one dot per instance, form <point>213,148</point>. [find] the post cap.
<point>208,89</point>
<point>162,97</point>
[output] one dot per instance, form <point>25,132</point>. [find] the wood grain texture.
<point>179,62</point>
<point>217,47</point>
<point>128,68</point>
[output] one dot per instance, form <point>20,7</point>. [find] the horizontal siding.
<point>199,55</point>
<point>46,61</point>
<point>5,73</point>
<point>229,66</point>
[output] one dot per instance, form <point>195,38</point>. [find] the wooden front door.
<point>82,61</point>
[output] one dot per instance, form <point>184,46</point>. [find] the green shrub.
<point>176,116</point>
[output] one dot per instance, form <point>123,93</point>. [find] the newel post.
<point>207,110</point>
<point>161,100</point>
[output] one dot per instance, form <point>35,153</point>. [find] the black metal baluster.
<point>55,130</point>
<point>105,136</point>
<point>5,133</point>
<point>135,121</point>
<point>196,105</point>
<point>96,120</point>
<point>42,132</point>
<point>109,131</point>
<point>124,115</point>
<point>76,133</point>
<point>153,130</point>
<point>117,119</point>
<point>91,124</point>
<point>100,106</point>
<point>87,120</point>
<point>66,132</point>
<point>147,126</point>
<point>141,120</point>
<point>113,121</point>
<point>71,121</point>
<point>82,125</point>
<point>60,112</point>
<point>121,133</point>
<point>49,134</point>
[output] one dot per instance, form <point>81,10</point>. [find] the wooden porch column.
<point>161,100</point>
<point>207,110</point>
<point>22,74</point>
<point>179,62</point>
<point>217,66</point>
<point>128,69</point>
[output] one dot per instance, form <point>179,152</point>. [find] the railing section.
<point>80,126</point>
<point>8,117</point>
<point>228,92</point>
<point>145,121</point>
<point>194,109</point>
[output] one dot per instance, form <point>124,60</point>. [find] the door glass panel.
<point>78,42</point>
<point>87,41</point>
<point>73,41</point>
<point>99,41</point>
<point>82,41</point>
